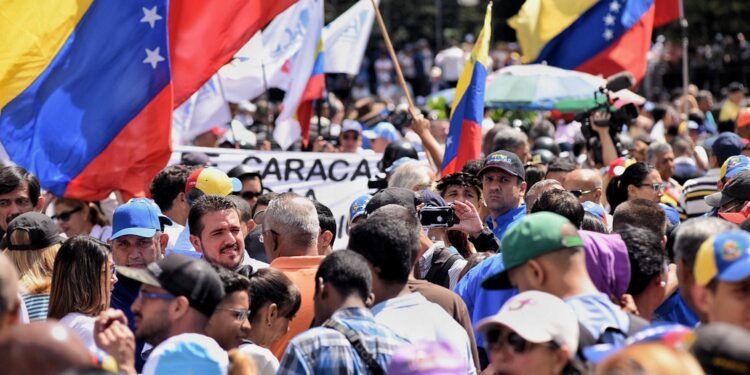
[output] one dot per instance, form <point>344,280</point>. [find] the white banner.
<point>334,179</point>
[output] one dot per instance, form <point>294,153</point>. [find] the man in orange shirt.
<point>290,236</point>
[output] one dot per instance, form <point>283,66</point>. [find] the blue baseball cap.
<point>733,166</point>
<point>357,207</point>
<point>725,256</point>
<point>670,334</point>
<point>383,130</point>
<point>140,217</point>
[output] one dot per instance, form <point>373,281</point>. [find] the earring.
<point>662,283</point>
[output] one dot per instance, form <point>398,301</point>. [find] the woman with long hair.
<point>82,282</point>
<point>638,181</point>
<point>31,243</point>
<point>274,300</point>
<point>76,217</point>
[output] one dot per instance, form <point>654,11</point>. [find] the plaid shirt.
<point>322,350</point>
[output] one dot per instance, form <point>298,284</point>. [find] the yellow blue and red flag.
<point>315,90</point>
<point>464,141</point>
<point>598,37</point>
<point>87,87</point>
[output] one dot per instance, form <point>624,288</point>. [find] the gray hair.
<point>413,175</point>
<point>537,189</point>
<point>509,139</point>
<point>296,217</point>
<point>689,236</point>
<point>655,149</point>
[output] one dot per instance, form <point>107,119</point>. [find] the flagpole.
<point>389,46</point>
<point>685,42</point>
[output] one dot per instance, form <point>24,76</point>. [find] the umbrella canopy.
<point>537,86</point>
<point>620,98</point>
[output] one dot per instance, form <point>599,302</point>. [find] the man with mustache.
<point>138,239</point>
<point>215,231</point>
<point>20,193</point>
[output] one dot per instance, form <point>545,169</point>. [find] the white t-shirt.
<point>265,362</point>
<point>83,326</point>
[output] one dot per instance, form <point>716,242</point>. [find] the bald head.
<point>42,348</point>
<point>8,292</point>
<point>586,184</point>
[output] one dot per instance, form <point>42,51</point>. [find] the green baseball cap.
<point>535,235</point>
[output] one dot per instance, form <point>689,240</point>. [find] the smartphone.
<point>432,217</point>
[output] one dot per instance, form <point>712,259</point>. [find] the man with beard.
<point>19,193</point>
<point>177,297</point>
<point>216,232</point>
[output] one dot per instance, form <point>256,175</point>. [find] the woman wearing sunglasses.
<point>75,217</point>
<point>533,333</point>
<point>638,181</point>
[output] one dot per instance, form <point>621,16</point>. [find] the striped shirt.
<point>692,203</point>
<point>36,304</point>
<point>322,350</point>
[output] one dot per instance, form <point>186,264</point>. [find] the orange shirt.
<point>301,270</point>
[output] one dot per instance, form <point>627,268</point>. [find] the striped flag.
<point>464,141</point>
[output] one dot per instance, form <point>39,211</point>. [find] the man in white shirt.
<point>389,240</point>
<point>451,60</point>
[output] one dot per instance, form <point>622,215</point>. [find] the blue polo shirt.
<point>503,222</point>
<point>481,302</point>
<point>675,310</point>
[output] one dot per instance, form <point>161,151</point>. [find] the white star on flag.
<point>614,6</point>
<point>608,34</point>
<point>153,57</point>
<point>449,141</point>
<point>150,16</point>
<point>609,20</point>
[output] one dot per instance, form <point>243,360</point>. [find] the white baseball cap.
<point>538,317</point>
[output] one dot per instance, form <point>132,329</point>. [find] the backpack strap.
<point>356,341</point>
<point>438,273</point>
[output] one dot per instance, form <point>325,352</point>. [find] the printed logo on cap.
<point>730,251</point>
<point>518,304</point>
<point>499,158</point>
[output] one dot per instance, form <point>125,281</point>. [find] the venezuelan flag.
<point>464,141</point>
<point>598,37</point>
<point>315,89</point>
<point>85,93</point>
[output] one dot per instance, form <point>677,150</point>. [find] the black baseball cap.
<point>394,195</point>
<point>735,87</point>
<point>737,189</point>
<point>722,348</point>
<point>505,161</point>
<point>185,276</point>
<point>41,229</point>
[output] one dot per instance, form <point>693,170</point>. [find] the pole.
<point>389,46</point>
<point>685,42</point>
<point>439,25</point>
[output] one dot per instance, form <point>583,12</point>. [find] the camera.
<point>432,217</point>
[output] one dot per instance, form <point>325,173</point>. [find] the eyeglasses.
<point>579,193</point>
<point>496,340</point>
<point>262,234</point>
<point>657,187</point>
<point>239,315</point>
<point>65,215</point>
<point>164,296</point>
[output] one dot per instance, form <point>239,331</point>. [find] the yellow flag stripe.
<point>480,53</point>
<point>31,35</point>
<point>538,21</point>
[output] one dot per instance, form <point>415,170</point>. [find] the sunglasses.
<point>247,195</point>
<point>579,193</point>
<point>496,340</point>
<point>65,215</point>
<point>657,187</point>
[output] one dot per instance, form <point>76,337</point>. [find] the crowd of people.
<point>599,245</point>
